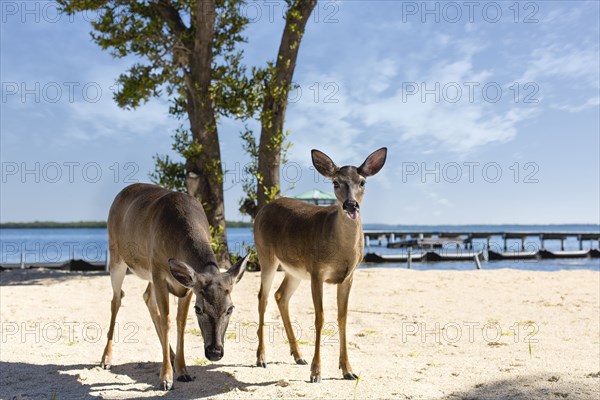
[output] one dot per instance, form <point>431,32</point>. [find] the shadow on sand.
<point>532,387</point>
<point>132,380</point>
<point>42,276</point>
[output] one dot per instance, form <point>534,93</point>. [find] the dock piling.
<point>477,264</point>
<point>542,240</point>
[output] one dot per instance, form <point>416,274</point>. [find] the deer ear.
<point>373,163</point>
<point>183,273</point>
<point>238,269</point>
<point>323,163</point>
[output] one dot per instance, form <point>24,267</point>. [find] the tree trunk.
<point>275,101</point>
<point>207,185</point>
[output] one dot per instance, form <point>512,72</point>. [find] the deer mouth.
<point>352,214</point>
<point>351,208</point>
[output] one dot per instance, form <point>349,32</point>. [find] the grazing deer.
<point>163,237</point>
<point>320,244</point>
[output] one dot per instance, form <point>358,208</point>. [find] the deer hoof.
<point>301,361</point>
<point>351,376</point>
<point>261,364</point>
<point>184,378</point>
<point>105,363</point>
<point>165,385</point>
<point>315,378</point>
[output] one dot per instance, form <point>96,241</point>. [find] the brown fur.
<point>320,244</point>
<point>163,237</point>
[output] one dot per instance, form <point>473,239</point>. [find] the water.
<point>40,245</point>
<point>91,244</point>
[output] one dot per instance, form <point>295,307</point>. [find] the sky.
<point>490,111</point>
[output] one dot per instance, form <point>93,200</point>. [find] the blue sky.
<point>490,111</point>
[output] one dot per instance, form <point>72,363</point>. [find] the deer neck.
<point>199,254</point>
<point>347,229</point>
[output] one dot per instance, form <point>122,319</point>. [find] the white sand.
<point>413,335</point>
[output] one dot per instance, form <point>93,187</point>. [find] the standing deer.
<point>163,237</point>
<point>320,244</point>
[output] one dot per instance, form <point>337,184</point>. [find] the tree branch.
<point>172,18</point>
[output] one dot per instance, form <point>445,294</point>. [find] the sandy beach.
<point>412,335</point>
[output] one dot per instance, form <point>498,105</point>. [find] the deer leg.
<point>118,268</point>
<point>183,306</point>
<point>343,292</point>
<point>150,301</point>
<point>161,295</point>
<point>282,296</point>
<point>267,273</point>
<point>316,285</point>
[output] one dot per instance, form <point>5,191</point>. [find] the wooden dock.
<point>395,239</point>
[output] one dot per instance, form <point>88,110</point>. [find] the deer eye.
<point>362,183</point>
<point>336,184</point>
<point>230,310</point>
<point>198,310</point>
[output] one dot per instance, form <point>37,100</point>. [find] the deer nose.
<point>214,353</point>
<point>350,205</point>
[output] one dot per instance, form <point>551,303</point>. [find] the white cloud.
<point>459,126</point>
<point>89,121</point>
<point>320,112</point>
<point>563,62</point>
<point>593,102</point>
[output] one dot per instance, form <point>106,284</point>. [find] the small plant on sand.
<point>367,332</point>
<point>300,342</point>
<point>195,331</point>
<point>356,385</point>
<point>525,323</point>
<point>200,361</point>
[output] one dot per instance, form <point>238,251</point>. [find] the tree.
<point>187,48</point>
<point>267,157</point>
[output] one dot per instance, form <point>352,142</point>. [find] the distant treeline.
<point>88,224</point>
<point>53,224</point>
